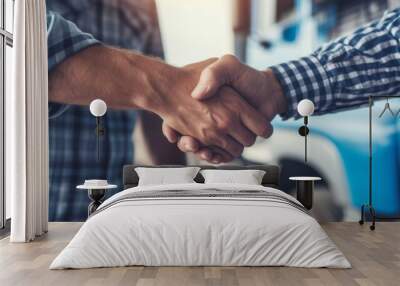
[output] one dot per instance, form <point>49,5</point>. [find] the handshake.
<point>212,108</point>
<point>216,107</point>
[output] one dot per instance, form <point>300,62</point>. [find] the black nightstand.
<point>96,195</point>
<point>305,189</point>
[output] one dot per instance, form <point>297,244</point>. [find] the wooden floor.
<point>375,257</point>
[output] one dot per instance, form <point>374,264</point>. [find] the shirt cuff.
<point>302,79</point>
<point>57,56</point>
<point>64,39</point>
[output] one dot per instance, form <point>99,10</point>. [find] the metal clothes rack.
<point>369,206</point>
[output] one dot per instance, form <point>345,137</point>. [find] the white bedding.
<point>183,231</point>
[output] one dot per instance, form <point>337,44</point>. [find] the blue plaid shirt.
<point>77,25</point>
<point>344,73</point>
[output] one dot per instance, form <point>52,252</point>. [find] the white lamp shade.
<point>305,107</point>
<point>98,107</point>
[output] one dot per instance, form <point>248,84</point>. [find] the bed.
<point>197,224</point>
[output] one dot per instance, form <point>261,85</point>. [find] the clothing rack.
<point>369,206</point>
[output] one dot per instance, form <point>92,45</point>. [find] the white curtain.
<point>27,124</point>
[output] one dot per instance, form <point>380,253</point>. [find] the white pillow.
<point>248,177</point>
<point>163,176</point>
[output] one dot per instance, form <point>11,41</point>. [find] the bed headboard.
<point>271,177</point>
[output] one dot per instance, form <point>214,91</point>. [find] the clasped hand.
<point>220,106</point>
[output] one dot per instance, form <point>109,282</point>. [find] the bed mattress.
<point>201,225</point>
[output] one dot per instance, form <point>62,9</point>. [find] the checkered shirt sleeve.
<point>64,39</point>
<point>344,73</point>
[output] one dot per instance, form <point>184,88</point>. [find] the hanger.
<point>397,113</point>
<point>387,107</point>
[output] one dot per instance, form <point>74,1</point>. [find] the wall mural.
<point>147,82</point>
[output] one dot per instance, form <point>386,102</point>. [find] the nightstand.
<point>305,189</point>
<point>96,192</point>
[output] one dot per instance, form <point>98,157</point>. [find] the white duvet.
<point>185,231</point>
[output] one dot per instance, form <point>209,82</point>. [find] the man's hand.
<point>260,89</point>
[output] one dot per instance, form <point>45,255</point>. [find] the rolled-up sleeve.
<point>64,40</point>
<point>344,73</point>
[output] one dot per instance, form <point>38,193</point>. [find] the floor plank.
<point>375,257</point>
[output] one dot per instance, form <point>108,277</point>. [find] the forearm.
<point>345,72</point>
<point>123,79</point>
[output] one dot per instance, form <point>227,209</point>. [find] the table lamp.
<point>305,108</point>
<point>98,108</point>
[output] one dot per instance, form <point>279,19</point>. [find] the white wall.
<point>193,30</point>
